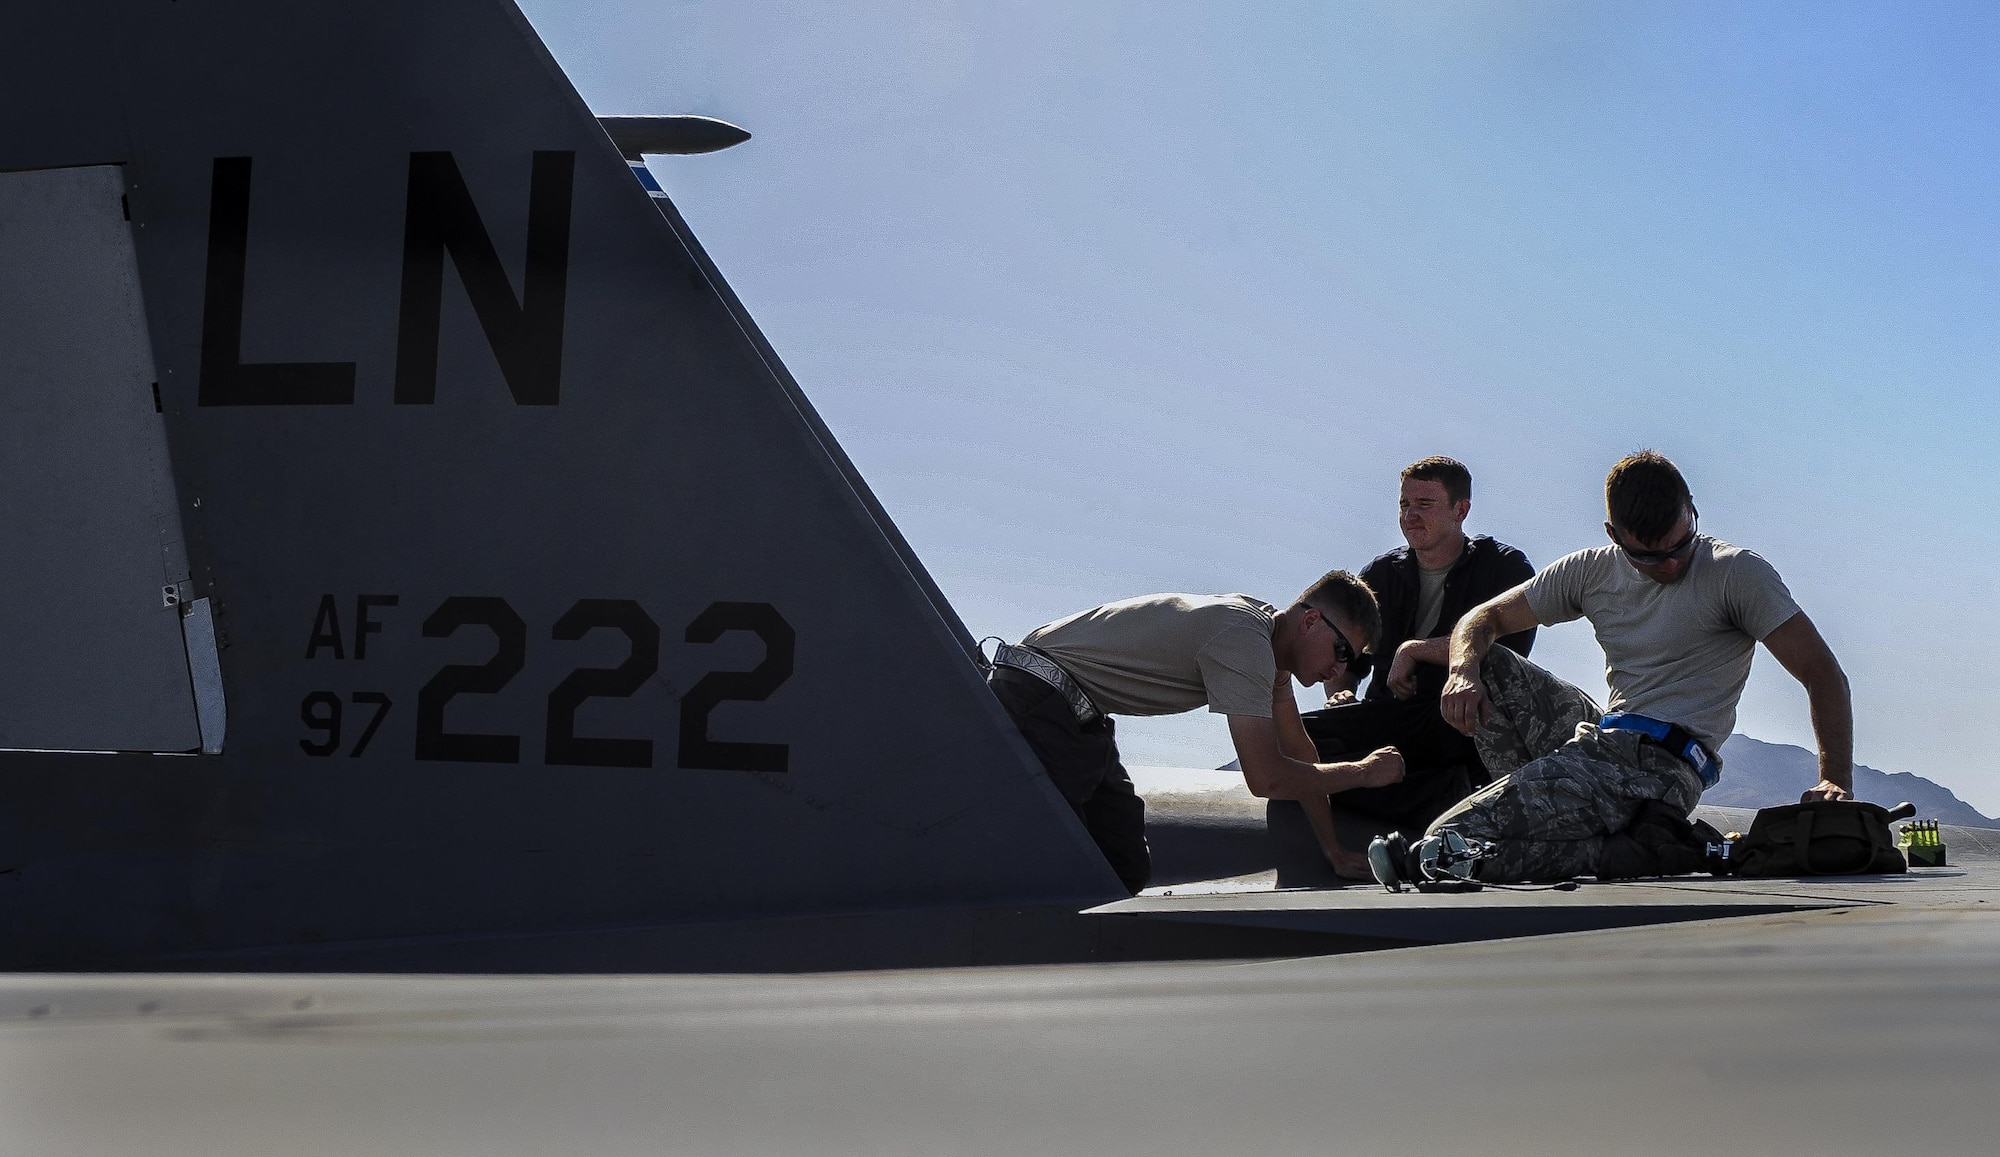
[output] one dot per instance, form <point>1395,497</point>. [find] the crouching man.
<point>1679,616</point>
<point>1165,654</point>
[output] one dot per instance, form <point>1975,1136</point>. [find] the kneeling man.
<point>1679,616</point>
<point>1164,654</point>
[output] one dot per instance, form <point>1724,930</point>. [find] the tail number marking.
<point>511,654</point>
<point>564,746</point>
<point>755,685</point>
<point>322,711</point>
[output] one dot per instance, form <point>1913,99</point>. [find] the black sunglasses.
<point>1343,651</point>
<point>1656,557</point>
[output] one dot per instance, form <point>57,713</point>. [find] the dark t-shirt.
<point>1485,568</point>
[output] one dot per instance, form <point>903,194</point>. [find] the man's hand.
<point>1825,789</point>
<point>1349,865</point>
<point>1402,672</point>
<point>1379,768</point>
<point>1340,688</point>
<point>1464,704</point>
<point>1403,669</point>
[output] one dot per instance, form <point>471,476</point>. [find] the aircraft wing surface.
<point>1852,1029</point>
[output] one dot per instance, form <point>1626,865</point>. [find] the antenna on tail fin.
<point>671,135</point>
<point>667,136</point>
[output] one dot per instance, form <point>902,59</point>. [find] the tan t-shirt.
<point>1164,654</point>
<point>1678,652</point>
<point>1430,599</point>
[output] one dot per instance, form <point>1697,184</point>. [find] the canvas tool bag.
<point>1822,838</point>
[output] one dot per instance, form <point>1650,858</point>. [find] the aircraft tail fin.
<point>541,598</point>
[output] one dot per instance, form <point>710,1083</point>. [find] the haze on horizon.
<point>1117,298</point>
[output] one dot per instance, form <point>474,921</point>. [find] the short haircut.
<point>1339,593</point>
<point>1456,479</point>
<point>1644,495</point>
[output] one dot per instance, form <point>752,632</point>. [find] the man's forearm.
<point>1319,814</point>
<point>1293,742</point>
<point>1471,639</point>
<point>1436,652</point>
<point>1797,644</point>
<point>1298,779</point>
<point>1833,728</point>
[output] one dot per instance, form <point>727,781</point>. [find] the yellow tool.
<point>1921,844</point>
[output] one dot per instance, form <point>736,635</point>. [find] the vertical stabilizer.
<point>542,600</point>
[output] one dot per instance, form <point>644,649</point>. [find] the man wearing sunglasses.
<point>1165,654</point>
<point>1679,615</point>
<point>1424,588</point>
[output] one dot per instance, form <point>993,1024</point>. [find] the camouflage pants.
<point>1561,785</point>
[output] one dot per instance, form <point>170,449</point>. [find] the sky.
<point>1110,299</point>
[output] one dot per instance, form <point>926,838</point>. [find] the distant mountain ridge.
<point>1760,774</point>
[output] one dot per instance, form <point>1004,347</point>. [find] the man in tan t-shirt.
<point>1679,615</point>
<point>1165,654</point>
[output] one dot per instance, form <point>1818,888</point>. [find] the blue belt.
<point>1671,736</point>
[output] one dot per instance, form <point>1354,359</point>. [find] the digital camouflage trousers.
<point>1560,785</point>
